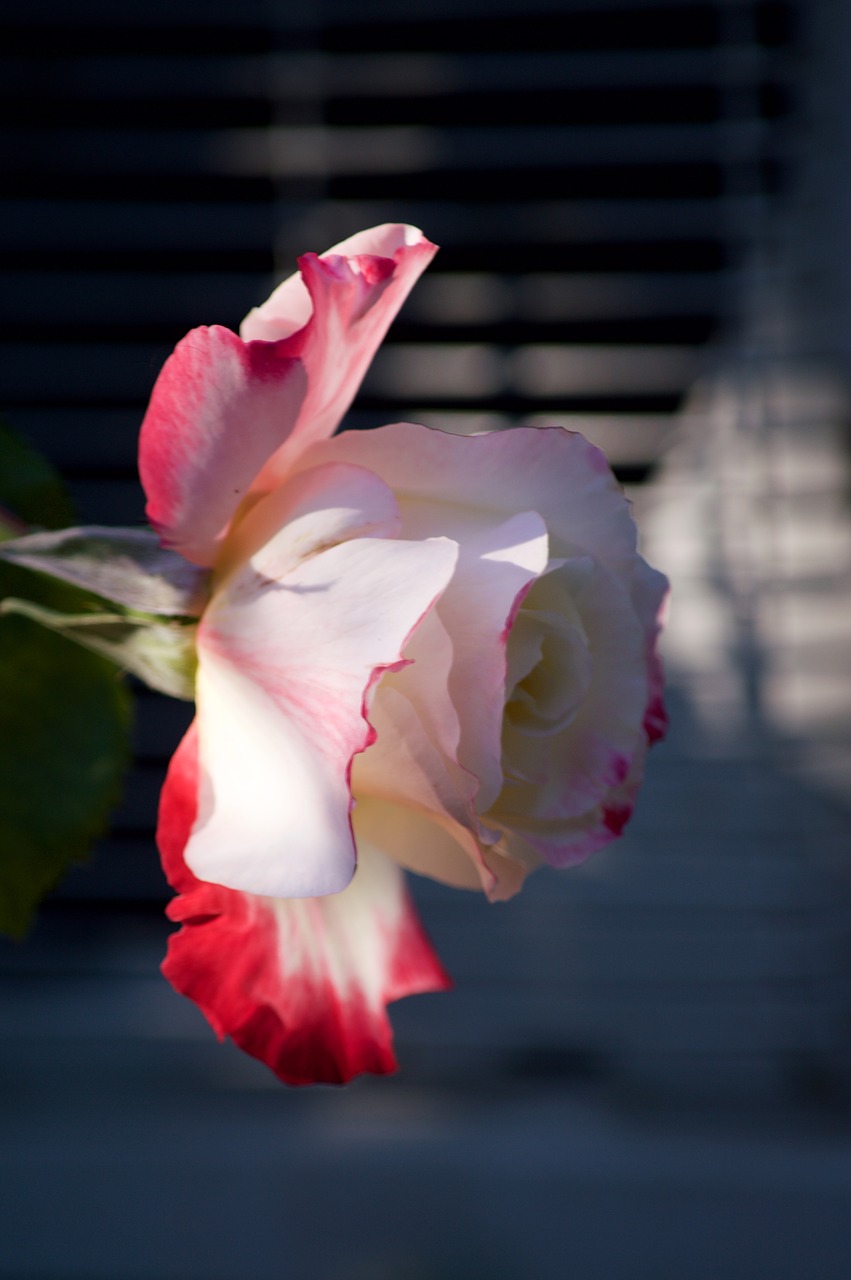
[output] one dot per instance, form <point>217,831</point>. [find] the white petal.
<point>313,510</point>
<point>285,672</point>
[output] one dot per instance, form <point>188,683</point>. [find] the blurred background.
<point>644,1070</point>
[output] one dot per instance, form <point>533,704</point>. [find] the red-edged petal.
<point>219,409</point>
<point>355,291</point>
<point>285,673</point>
<point>228,414</point>
<point>301,985</point>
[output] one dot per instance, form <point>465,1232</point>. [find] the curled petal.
<point>497,565</point>
<point>334,316</point>
<point>228,415</point>
<point>219,408</point>
<point>285,675</point>
<point>437,759</point>
<point>498,561</point>
<point>302,985</point>
<point>413,797</point>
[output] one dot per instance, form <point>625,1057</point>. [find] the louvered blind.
<point>598,174</point>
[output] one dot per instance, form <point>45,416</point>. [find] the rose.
<point>420,650</point>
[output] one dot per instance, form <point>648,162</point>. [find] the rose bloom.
<point>420,651</point>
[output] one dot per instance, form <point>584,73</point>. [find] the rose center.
<point>549,672</point>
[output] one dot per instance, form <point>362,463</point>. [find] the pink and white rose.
<point>420,651</point>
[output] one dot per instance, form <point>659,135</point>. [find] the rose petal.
<point>497,562</point>
<point>356,290</point>
<point>223,408</point>
<point>311,511</point>
<point>290,306</point>
<point>284,676</point>
<point>414,800</point>
<point>572,772</point>
<point>552,471</point>
<point>219,408</point>
<point>301,985</point>
<point>434,845</point>
<point>413,759</point>
<point>545,469</point>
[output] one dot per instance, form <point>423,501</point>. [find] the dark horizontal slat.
<point>613,25</point>
<point>101,264</point>
<point>56,108</point>
<point>118,502</point>
<point>560,225</point>
<point>484,185</point>
<point>68,223</point>
<point>118,376</point>
<point>53,108</point>
<point>516,73</point>
<point>81,438</point>
<point>167,14</point>
<point>559,105</point>
<point>105,34</point>
<point>606,24</point>
<point>224,81</point>
<point>155,93</point>
<point>336,12</point>
<point>99,305</point>
<point>139,150</point>
<point>33,183</point>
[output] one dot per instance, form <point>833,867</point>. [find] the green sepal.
<point>162,654</point>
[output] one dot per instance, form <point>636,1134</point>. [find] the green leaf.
<point>29,486</point>
<point>64,720</point>
<point>64,711</point>
<point>124,566</point>
<point>160,653</point>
